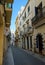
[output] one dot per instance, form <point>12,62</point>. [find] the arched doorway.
<point>39,42</point>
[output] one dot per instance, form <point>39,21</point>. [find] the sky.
<point>17,4</point>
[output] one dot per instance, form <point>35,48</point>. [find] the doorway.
<point>27,43</point>
<point>39,42</point>
<point>30,41</point>
<point>24,43</point>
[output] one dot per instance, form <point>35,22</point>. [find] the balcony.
<point>8,10</point>
<point>9,1</point>
<point>35,19</point>
<point>30,29</point>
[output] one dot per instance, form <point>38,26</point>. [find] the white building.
<point>26,26</point>
<point>17,32</point>
<point>12,39</point>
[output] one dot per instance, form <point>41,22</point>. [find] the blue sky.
<point>16,7</point>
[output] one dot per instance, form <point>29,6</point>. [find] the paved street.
<point>23,58</point>
<point>16,56</point>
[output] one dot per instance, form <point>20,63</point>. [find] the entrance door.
<point>39,42</point>
<point>30,41</point>
<point>27,43</point>
<point>24,43</point>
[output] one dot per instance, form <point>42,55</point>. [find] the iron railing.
<point>39,16</point>
<point>28,29</point>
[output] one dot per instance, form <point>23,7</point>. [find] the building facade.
<point>32,26</point>
<point>17,32</point>
<point>38,23</point>
<point>26,28</point>
<point>5,16</point>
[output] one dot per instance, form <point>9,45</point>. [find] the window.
<point>28,8</point>
<point>0,2</point>
<point>8,5</point>
<point>27,21</point>
<point>20,23</point>
<point>31,41</point>
<point>38,10</point>
<point>25,14</point>
<point>27,43</point>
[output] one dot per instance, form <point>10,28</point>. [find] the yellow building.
<point>8,12</point>
<point>38,22</point>
<point>5,15</point>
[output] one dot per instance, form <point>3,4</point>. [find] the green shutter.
<point>8,5</point>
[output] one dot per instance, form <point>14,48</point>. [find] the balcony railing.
<point>39,16</point>
<point>28,29</point>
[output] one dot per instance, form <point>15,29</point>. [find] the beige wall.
<point>35,3</point>
<point>36,31</point>
<point>1,43</point>
<point>39,29</point>
<point>38,1</point>
<point>2,40</point>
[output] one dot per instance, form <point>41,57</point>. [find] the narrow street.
<point>22,32</point>
<point>18,56</point>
